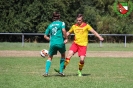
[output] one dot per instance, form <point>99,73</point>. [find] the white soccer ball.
<point>44,53</point>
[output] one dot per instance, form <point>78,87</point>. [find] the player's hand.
<point>65,41</point>
<point>101,38</point>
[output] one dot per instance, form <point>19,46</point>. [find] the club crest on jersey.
<point>123,9</point>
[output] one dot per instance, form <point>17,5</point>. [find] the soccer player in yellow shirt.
<point>81,30</point>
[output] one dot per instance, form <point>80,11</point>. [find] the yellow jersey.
<point>81,33</point>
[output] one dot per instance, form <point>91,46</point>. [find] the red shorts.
<point>80,49</point>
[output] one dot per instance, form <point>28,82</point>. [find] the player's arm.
<point>46,34</point>
<point>70,31</point>
<point>64,33</point>
<point>96,34</point>
<point>46,37</point>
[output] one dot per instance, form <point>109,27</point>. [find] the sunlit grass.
<point>91,46</point>
<point>97,73</point>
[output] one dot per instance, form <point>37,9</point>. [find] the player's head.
<point>56,15</point>
<point>79,19</point>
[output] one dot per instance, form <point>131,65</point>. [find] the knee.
<point>63,55</point>
<point>70,54</point>
<point>81,61</point>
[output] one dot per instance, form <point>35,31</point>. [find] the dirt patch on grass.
<point>13,53</point>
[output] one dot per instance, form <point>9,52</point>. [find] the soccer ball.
<point>44,53</point>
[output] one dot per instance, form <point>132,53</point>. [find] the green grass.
<point>98,73</point>
<point>91,46</point>
<point>26,72</point>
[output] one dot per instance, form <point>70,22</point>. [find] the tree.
<point>33,16</point>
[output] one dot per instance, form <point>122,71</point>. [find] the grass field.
<point>98,72</point>
<point>91,46</point>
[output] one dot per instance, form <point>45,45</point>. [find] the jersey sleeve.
<point>63,25</point>
<point>71,29</point>
<point>47,31</point>
<point>89,27</point>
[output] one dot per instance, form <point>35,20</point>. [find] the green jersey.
<point>55,32</point>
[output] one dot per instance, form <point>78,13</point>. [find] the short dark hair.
<point>56,15</point>
<point>79,15</point>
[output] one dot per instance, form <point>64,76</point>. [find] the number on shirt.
<point>54,31</point>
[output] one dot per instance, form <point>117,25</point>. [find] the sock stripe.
<point>49,60</point>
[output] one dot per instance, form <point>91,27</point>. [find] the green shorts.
<point>56,47</point>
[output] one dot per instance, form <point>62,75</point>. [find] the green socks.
<point>48,64</point>
<point>62,61</point>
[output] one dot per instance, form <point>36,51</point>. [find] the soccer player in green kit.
<point>58,39</point>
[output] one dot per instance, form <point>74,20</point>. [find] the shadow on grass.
<point>67,75</point>
<point>77,75</point>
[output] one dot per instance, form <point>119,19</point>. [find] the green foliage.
<point>33,16</point>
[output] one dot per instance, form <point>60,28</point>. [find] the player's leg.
<point>67,60</point>
<point>73,49</point>
<point>62,61</point>
<point>82,54</point>
<point>52,51</point>
<point>62,50</point>
<point>48,64</point>
<point>81,65</point>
